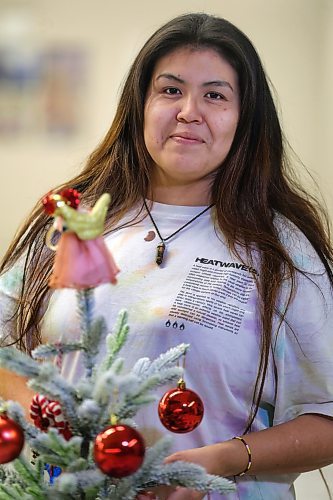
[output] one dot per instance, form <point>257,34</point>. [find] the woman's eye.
<point>172,91</point>
<point>215,95</point>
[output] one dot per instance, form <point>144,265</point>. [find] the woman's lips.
<point>186,139</point>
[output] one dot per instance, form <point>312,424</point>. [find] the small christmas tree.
<point>87,407</point>
<point>85,436</point>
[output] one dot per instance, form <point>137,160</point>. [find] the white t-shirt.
<point>203,295</point>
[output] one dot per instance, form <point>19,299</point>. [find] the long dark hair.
<point>252,185</point>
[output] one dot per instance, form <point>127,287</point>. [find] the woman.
<point>217,247</point>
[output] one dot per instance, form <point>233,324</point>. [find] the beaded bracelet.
<point>249,454</point>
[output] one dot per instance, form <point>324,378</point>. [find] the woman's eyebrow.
<point>215,83</point>
<point>218,83</point>
<point>170,76</point>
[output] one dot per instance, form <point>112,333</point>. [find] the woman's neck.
<point>181,195</point>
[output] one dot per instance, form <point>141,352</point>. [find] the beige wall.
<point>293,37</point>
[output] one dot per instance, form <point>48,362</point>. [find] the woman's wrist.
<point>229,458</point>
<point>249,455</point>
<point>237,460</point>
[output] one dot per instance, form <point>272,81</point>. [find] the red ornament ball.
<point>11,439</point>
<point>180,410</point>
<point>119,450</point>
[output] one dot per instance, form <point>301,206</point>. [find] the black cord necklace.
<point>160,249</point>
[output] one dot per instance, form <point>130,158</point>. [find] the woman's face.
<point>190,116</point>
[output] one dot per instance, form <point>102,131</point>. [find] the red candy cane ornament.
<point>54,413</point>
<point>46,413</point>
<point>37,412</point>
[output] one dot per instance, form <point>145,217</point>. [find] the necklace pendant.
<point>160,253</point>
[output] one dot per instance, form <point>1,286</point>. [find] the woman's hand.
<point>186,494</point>
<point>146,495</point>
<point>178,493</point>
<point>161,492</point>
<point>209,457</point>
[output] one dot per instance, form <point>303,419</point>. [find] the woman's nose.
<point>189,110</point>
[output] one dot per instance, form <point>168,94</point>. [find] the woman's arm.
<point>300,445</point>
<point>14,387</point>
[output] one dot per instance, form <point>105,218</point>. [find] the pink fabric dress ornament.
<point>82,259</point>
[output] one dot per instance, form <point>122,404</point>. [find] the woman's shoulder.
<point>299,248</point>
